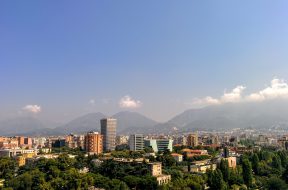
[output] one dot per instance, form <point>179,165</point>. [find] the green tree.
<point>247,172</point>
<point>101,181</point>
<point>235,177</point>
<point>7,167</point>
<point>194,182</point>
<point>215,180</point>
<point>224,168</point>
<point>255,163</point>
<point>284,158</point>
<point>276,163</point>
<point>148,183</point>
<point>275,183</point>
<point>167,160</point>
<point>132,181</point>
<point>64,162</point>
<point>58,183</point>
<point>226,152</point>
<point>285,175</point>
<point>148,149</point>
<point>123,186</point>
<point>24,181</point>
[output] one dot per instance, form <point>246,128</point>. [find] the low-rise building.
<point>21,160</point>
<point>156,171</point>
<point>202,168</point>
<point>177,157</point>
<point>45,150</point>
<point>28,153</point>
<point>232,162</point>
<point>190,153</point>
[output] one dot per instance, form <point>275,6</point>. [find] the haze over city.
<point>143,95</point>
<point>158,59</point>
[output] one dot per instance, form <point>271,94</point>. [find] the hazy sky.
<point>61,59</point>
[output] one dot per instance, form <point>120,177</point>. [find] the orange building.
<point>94,143</point>
<point>28,141</point>
<point>8,142</point>
<point>192,140</point>
<point>21,160</point>
<point>190,153</point>
<point>21,141</point>
<point>232,162</point>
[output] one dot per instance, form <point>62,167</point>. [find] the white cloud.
<point>234,96</point>
<point>206,101</point>
<point>277,89</point>
<point>92,102</point>
<point>128,102</point>
<point>32,108</point>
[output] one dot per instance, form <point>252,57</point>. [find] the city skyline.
<point>60,62</point>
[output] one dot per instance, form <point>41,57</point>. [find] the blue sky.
<point>72,57</point>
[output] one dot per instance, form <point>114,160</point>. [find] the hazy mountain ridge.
<point>20,125</point>
<point>88,122</point>
<point>240,115</point>
<point>134,122</point>
<point>127,122</point>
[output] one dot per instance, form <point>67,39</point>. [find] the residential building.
<point>108,130</point>
<point>81,141</point>
<point>70,141</point>
<point>177,157</point>
<point>28,153</point>
<point>232,162</point>
<point>28,142</point>
<point>192,140</point>
<point>202,168</point>
<point>58,143</point>
<point>21,141</point>
<point>21,160</point>
<point>190,153</point>
<point>39,142</point>
<point>182,140</point>
<point>155,169</point>
<point>8,142</point>
<point>93,143</point>
<point>122,139</point>
<point>215,140</point>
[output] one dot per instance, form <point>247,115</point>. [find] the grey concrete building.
<point>136,142</point>
<point>108,130</point>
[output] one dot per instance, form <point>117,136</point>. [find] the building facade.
<point>192,140</point>
<point>93,143</point>
<point>155,169</point>
<point>159,144</point>
<point>136,142</point>
<point>122,139</point>
<point>108,130</point>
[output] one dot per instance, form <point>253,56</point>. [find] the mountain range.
<point>231,115</point>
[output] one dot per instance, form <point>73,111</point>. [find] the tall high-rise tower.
<point>108,130</point>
